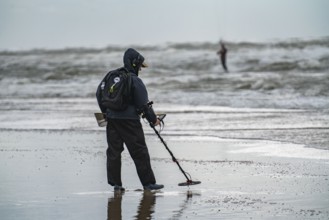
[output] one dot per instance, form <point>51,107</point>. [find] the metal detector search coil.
<point>189,183</point>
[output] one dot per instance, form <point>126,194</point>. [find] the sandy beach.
<point>60,174</point>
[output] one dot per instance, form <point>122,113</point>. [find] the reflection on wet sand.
<point>184,205</point>
<point>114,206</point>
<point>145,208</point>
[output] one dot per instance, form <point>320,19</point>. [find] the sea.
<point>276,90</point>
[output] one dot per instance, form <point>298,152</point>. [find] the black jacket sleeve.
<point>140,97</point>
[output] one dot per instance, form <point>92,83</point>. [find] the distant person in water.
<point>222,53</point>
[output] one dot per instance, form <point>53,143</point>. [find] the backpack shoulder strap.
<point>127,78</point>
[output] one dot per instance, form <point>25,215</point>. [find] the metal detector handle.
<point>160,124</point>
<point>161,117</point>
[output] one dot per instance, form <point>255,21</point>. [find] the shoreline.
<point>53,175</point>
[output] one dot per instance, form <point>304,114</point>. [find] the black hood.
<point>133,60</point>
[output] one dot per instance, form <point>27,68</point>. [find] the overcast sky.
<point>26,24</point>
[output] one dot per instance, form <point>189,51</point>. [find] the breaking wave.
<point>291,55</point>
<point>190,73</point>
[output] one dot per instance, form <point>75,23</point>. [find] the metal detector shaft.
<point>171,154</point>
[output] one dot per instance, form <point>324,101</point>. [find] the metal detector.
<point>189,180</point>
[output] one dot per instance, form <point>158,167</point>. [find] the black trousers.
<point>130,133</point>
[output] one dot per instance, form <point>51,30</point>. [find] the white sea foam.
<point>276,149</point>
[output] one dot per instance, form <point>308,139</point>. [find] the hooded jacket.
<point>133,61</point>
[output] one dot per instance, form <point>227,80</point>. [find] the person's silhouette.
<point>222,53</point>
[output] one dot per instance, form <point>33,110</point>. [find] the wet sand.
<point>60,174</point>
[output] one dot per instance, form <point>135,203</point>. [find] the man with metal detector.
<point>124,126</point>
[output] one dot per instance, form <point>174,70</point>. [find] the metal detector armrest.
<point>161,116</point>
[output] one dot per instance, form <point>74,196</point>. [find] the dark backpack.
<point>114,90</point>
